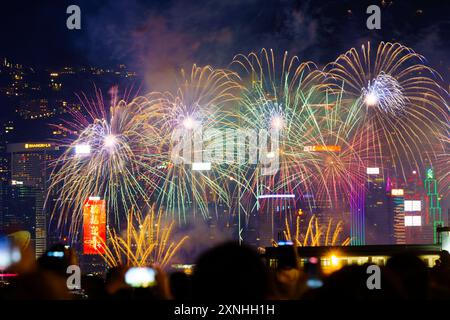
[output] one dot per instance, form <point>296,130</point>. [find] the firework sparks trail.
<point>190,112</point>
<point>400,99</point>
<point>362,110</point>
<point>146,241</point>
<point>106,159</point>
<point>307,111</point>
<point>316,234</point>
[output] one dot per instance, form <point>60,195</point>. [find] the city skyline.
<point>44,95</point>
<point>202,151</point>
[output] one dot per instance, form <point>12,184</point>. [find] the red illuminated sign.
<point>94,226</point>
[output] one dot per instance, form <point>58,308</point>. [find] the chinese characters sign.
<point>94,226</point>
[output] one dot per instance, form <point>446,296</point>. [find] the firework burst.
<point>400,99</point>
<point>278,100</point>
<point>320,150</point>
<point>190,114</point>
<point>363,110</point>
<point>386,93</point>
<point>146,241</point>
<point>106,159</point>
<point>316,234</point>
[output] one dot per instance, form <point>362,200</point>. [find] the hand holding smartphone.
<point>140,277</point>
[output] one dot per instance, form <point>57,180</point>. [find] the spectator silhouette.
<point>350,284</point>
<point>180,286</point>
<point>57,259</point>
<point>288,280</point>
<point>230,272</point>
<point>412,273</point>
<point>93,287</point>
<point>40,285</point>
<point>115,280</point>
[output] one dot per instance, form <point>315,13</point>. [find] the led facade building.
<point>396,208</point>
<point>357,217</point>
<point>433,210</point>
<point>415,209</point>
<point>417,229</point>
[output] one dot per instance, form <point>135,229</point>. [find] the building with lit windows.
<point>333,258</point>
<point>396,207</point>
<point>379,224</point>
<point>433,211</point>
<point>274,211</point>
<point>414,204</point>
<point>29,167</point>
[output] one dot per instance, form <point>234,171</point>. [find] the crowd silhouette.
<point>232,272</point>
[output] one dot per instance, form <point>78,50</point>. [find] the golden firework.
<point>316,234</point>
<point>146,241</point>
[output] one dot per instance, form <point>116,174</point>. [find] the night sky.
<point>161,36</point>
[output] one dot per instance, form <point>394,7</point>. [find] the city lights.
<point>330,148</point>
<point>94,226</point>
<point>397,192</point>
<point>334,260</point>
<point>412,205</point>
<point>445,238</point>
<point>413,221</point>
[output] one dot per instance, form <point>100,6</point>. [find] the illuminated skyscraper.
<point>379,224</point>
<point>274,211</point>
<point>357,217</point>
<point>433,210</point>
<point>398,216</point>
<point>29,166</point>
<point>414,221</point>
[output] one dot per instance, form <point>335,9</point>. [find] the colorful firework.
<point>188,115</point>
<point>276,101</point>
<point>106,159</point>
<point>146,241</point>
<point>400,100</point>
<point>385,92</point>
<point>124,154</point>
<point>361,111</point>
<point>306,113</point>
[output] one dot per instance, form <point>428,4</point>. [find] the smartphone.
<point>55,254</point>
<point>314,273</point>
<point>9,253</point>
<point>140,277</point>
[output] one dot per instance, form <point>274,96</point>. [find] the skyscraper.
<point>30,165</point>
<point>379,224</point>
<point>433,210</point>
